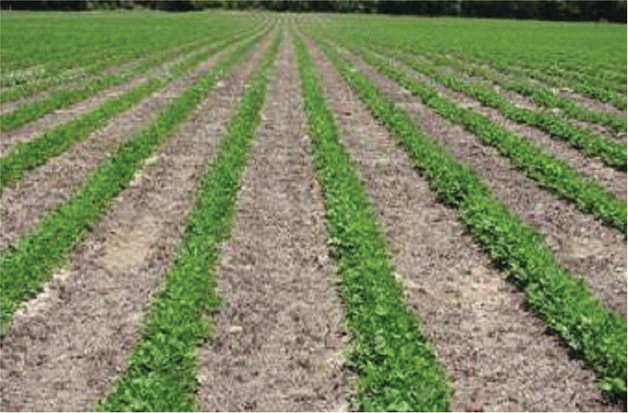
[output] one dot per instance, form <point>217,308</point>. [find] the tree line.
<point>611,11</point>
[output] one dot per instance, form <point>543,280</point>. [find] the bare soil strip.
<point>529,103</point>
<point>588,102</point>
<point>80,80</point>
<point>78,77</point>
<point>66,346</point>
<point>279,334</point>
<point>39,126</point>
<point>497,354</point>
<point>613,180</point>
<point>585,101</point>
<point>583,244</point>
<point>23,204</point>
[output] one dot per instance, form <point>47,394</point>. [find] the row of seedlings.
<point>60,99</point>
<point>585,325</point>
<point>30,154</point>
<point>162,369</point>
<point>28,264</point>
<point>611,153</point>
<point>554,174</point>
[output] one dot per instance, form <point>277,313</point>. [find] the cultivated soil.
<point>497,354</point>
<point>613,180</point>
<point>24,203</point>
<point>66,347</point>
<point>583,244</point>
<point>39,126</point>
<point>279,340</point>
<point>279,336</point>
<point>529,103</point>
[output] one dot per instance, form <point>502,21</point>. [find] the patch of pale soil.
<point>615,181</point>
<point>66,346</point>
<point>589,103</point>
<point>42,189</point>
<point>582,243</point>
<point>77,77</point>
<point>528,103</point>
<point>52,119</point>
<point>497,355</point>
<point>279,334</point>
<point>41,125</point>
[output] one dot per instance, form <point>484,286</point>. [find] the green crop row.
<point>162,369</point>
<point>542,97</point>
<point>586,326</point>
<point>72,75</point>
<point>603,95</point>
<point>611,153</point>
<point>27,265</point>
<point>396,366</point>
<point>552,173</point>
<point>31,154</point>
<point>94,70</point>
<point>58,41</point>
<point>29,112</point>
<point>537,49</point>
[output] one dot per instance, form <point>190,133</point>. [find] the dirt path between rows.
<point>80,78</point>
<point>587,102</point>
<point>41,125</point>
<point>582,243</point>
<point>279,334</point>
<point>42,189</point>
<point>613,180</point>
<point>67,345</point>
<point>497,354</point>
<point>529,103</point>
<point>59,116</point>
<point>590,103</point>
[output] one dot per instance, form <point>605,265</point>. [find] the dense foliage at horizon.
<point>611,11</point>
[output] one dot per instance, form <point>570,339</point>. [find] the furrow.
<point>587,194</point>
<point>67,345</point>
<point>279,331</point>
<point>396,366</point>
<point>39,126</point>
<point>496,354</point>
<point>589,329</point>
<point>528,91</point>
<point>542,127</point>
<point>58,101</point>
<point>30,263</point>
<point>616,101</point>
<point>163,366</point>
<point>582,243</point>
<point>595,128</point>
<point>48,186</point>
<point>158,74</point>
<point>12,99</point>
<point>613,179</point>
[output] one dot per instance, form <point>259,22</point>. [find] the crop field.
<point>311,212</point>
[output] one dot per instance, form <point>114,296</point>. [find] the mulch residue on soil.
<point>24,203</point>
<point>67,345</point>
<point>279,334</point>
<point>583,244</point>
<point>497,354</point>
